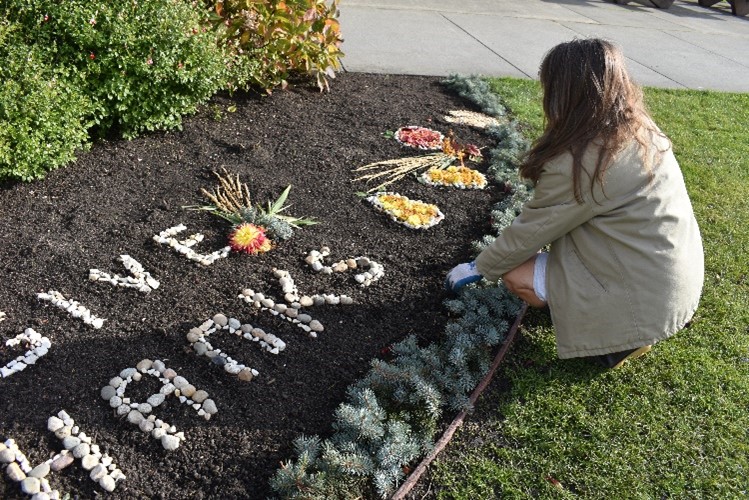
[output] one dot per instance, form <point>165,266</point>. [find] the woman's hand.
<point>461,275</point>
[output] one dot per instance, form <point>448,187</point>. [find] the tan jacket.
<point>625,267</point>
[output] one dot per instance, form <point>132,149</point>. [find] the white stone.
<point>63,432</point>
<point>167,389</point>
<point>98,472</point>
<point>14,472</point>
<point>107,482</point>
<point>169,442</point>
<point>146,426</point>
<point>40,470</point>
<point>54,424</point>
<point>144,365</point>
<point>200,396</point>
<point>156,399</point>
<point>134,417</point>
<point>89,462</point>
<point>220,319</point>
<point>209,406</point>
<point>81,450</point>
<point>7,456</point>
<point>180,382</point>
<point>31,485</point>
<point>70,442</point>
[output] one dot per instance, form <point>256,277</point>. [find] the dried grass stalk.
<point>398,168</point>
<point>231,195</point>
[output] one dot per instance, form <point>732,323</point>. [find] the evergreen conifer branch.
<point>392,413</point>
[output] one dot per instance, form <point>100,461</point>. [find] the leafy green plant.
<point>231,201</point>
<point>42,116</point>
<point>273,40</point>
<point>144,64</point>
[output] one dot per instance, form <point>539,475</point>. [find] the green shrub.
<point>42,116</point>
<point>143,63</point>
<point>273,40</point>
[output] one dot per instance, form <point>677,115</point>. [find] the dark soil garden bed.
<point>116,197</point>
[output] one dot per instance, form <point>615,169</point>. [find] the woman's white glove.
<point>461,275</point>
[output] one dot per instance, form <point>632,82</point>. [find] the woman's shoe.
<point>617,359</point>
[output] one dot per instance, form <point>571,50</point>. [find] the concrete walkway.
<point>685,46</point>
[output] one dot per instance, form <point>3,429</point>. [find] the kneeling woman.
<point>625,265</point>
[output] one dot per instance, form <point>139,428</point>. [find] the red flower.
<point>92,56</point>
<point>249,238</point>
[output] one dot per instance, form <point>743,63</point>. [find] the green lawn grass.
<point>674,424</point>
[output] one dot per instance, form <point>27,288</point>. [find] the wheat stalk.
<point>231,195</point>
<point>398,168</point>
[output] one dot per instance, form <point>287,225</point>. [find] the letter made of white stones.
<point>76,445</point>
<point>140,413</point>
<point>72,307</point>
<point>139,278</point>
<point>166,237</point>
<point>198,339</point>
<point>38,347</point>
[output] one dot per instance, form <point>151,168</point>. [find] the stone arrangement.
<point>73,308</point>
<point>290,313</point>
<point>373,271</point>
<point>33,481</point>
<point>198,339</point>
<point>78,445</point>
<point>140,413</point>
<point>291,294</point>
<point>184,247</point>
<point>38,347</point>
<point>138,279</point>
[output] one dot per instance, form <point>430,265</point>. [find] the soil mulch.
<point>115,197</point>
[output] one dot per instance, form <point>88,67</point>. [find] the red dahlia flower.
<point>249,238</point>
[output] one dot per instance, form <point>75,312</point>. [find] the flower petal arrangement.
<point>471,118</point>
<point>395,169</point>
<point>454,176</point>
<point>411,213</point>
<point>414,136</point>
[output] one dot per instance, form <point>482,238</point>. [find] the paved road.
<point>685,46</point>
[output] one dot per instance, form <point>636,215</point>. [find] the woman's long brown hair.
<point>588,96</point>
